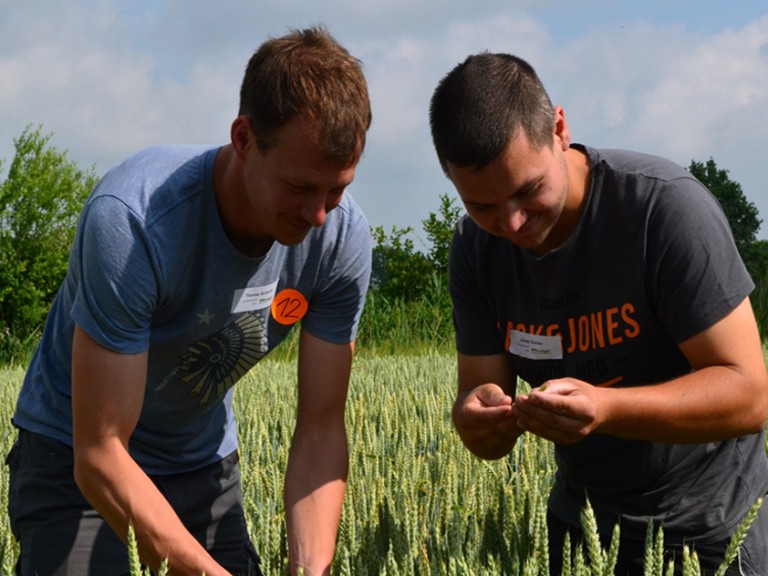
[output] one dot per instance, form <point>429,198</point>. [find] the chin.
<point>292,239</point>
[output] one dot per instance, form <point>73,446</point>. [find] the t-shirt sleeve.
<point>337,304</point>
<point>117,291</point>
<point>697,276</point>
<point>477,332</point>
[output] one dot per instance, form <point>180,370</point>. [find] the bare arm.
<point>107,395</point>
<point>319,459</point>
<point>725,395</point>
<point>482,412</point>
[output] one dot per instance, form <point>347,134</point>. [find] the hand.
<point>563,411</point>
<point>484,419</point>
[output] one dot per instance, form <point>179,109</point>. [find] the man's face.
<point>292,186</point>
<point>521,195</point>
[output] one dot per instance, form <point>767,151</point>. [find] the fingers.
<point>485,421</point>
<point>487,408</point>
<point>557,411</point>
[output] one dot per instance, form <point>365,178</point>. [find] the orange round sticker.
<point>289,306</point>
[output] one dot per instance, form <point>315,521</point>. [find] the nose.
<point>512,218</point>
<point>315,210</point>
<point>314,215</point>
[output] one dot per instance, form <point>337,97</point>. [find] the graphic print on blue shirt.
<point>211,366</point>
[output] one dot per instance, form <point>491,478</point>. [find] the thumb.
<point>493,395</point>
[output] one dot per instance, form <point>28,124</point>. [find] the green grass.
<point>417,502</point>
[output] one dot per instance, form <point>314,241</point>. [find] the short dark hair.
<point>308,72</point>
<point>480,105</point>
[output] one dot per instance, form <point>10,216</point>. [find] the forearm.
<point>709,404</point>
<point>124,495</point>
<point>314,494</point>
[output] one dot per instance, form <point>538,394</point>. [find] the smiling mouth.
<point>528,229</point>
<point>298,224</point>
<point>299,228</point>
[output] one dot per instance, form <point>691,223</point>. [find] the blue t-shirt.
<point>151,269</point>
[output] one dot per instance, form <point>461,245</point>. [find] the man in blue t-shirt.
<point>609,281</point>
<point>190,265</point>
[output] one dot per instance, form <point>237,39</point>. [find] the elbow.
<point>759,415</point>
<point>83,472</point>
<point>91,471</point>
<point>755,412</point>
<point>755,426</point>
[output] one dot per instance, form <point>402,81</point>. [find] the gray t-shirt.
<point>152,269</point>
<point>651,263</point>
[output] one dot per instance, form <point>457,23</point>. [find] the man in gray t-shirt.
<point>190,265</point>
<point>610,282</point>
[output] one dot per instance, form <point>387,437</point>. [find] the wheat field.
<point>417,502</point>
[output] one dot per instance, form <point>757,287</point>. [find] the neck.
<point>235,211</point>
<point>578,181</point>
<point>577,166</point>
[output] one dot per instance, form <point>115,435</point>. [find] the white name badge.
<point>253,298</point>
<point>535,346</point>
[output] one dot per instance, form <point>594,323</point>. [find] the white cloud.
<point>672,92</point>
<point>108,78</point>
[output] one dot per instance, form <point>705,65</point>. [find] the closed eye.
<point>529,189</point>
<point>299,189</point>
<point>478,207</point>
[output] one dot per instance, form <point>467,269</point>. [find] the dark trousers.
<point>60,533</point>
<point>751,561</point>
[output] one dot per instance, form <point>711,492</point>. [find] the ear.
<point>562,133</point>
<point>242,136</point>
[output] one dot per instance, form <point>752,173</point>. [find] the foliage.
<point>40,201</point>
<point>395,325</point>
<point>398,268</point>
<point>403,272</point>
<point>134,562</point>
<point>742,214</point>
<point>439,230</point>
<point>408,305</point>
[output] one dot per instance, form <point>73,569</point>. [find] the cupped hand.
<point>564,411</point>
<point>485,421</point>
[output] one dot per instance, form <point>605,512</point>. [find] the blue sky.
<point>683,79</point>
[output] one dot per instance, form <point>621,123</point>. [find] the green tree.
<point>400,271</point>
<point>408,304</point>
<point>40,201</point>
<point>439,229</point>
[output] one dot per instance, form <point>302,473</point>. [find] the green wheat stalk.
<point>738,538</point>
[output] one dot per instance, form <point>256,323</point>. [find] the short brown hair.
<point>482,104</point>
<point>308,72</point>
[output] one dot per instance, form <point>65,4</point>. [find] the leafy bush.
<point>40,201</point>
<point>399,270</point>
